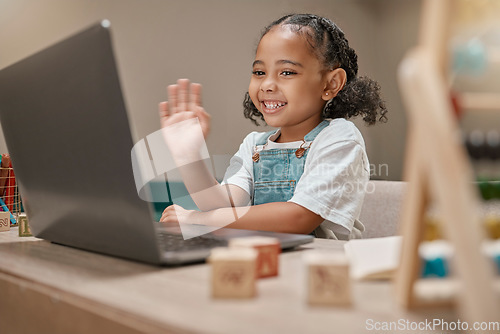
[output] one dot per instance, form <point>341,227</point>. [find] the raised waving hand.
<point>184,102</point>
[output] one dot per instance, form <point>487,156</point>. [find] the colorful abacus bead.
<point>492,225</point>
<point>491,249</point>
<point>432,229</point>
<point>435,257</point>
<point>437,267</point>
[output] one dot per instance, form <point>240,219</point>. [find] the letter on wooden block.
<point>233,272</point>
<point>24,228</point>
<point>328,279</point>
<point>268,250</point>
<point>4,221</point>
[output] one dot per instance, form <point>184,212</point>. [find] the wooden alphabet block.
<point>4,221</point>
<point>327,279</point>
<point>233,272</point>
<point>24,228</point>
<point>268,250</point>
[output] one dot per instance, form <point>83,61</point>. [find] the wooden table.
<point>49,288</point>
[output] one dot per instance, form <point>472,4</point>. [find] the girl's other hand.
<point>177,214</point>
<point>184,102</point>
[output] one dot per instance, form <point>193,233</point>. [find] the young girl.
<point>309,175</point>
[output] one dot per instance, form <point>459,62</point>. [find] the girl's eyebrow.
<point>279,62</point>
<point>286,61</point>
<point>257,62</point>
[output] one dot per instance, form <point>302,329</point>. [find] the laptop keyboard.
<point>176,242</point>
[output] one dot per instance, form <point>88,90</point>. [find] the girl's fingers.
<point>202,114</point>
<point>204,118</point>
<point>163,109</point>
<point>183,94</point>
<point>167,214</point>
<point>165,219</point>
<point>195,98</point>
<point>172,98</point>
<point>169,208</point>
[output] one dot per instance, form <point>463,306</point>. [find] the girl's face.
<point>288,83</point>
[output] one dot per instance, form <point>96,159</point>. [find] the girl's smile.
<point>272,106</point>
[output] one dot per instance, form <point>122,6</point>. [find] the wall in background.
<point>213,42</point>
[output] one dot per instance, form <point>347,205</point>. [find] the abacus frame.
<point>437,168</point>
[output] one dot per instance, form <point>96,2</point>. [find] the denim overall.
<point>277,171</point>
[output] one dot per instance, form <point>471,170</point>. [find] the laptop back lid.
<point>67,131</point>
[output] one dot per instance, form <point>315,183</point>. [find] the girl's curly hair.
<point>360,95</point>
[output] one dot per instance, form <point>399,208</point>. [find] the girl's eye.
<point>288,73</point>
<point>258,73</point>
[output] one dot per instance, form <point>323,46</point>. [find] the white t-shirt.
<point>335,175</point>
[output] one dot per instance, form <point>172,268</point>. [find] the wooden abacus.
<point>437,168</point>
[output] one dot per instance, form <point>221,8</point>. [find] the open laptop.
<point>67,131</point>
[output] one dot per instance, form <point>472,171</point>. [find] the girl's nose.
<point>268,85</point>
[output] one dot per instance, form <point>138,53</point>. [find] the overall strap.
<point>264,137</point>
<point>314,132</point>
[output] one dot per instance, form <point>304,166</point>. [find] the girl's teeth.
<point>274,105</point>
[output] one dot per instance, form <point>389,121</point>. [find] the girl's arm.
<point>185,125</point>
<point>286,217</point>
<point>207,192</point>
